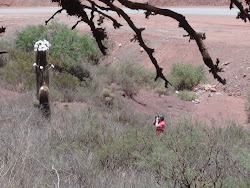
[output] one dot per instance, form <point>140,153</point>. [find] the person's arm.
<point>157,122</point>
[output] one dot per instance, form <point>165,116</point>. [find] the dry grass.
<point>99,146</point>
<point>31,146</point>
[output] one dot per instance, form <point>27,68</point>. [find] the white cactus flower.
<point>53,66</point>
<point>41,67</point>
<point>34,65</point>
<point>42,45</point>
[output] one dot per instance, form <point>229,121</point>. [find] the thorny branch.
<point>244,13</point>
<point>52,17</point>
<point>79,9</point>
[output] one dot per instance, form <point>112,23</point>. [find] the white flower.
<point>42,45</point>
<point>34,65</point>
<point>41,67</point>
<point>53,66</point>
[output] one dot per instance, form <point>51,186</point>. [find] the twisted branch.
<point>76,8</point>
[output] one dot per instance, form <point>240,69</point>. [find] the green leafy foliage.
<point>187,95</point>
<point>19,71</point>
<point>131,77</point>
<point>65,43</point>
<point>186,76</point>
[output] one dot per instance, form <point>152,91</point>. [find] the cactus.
<point>42,76</point>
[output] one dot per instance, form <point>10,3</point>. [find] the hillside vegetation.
<point>106,142</point>
<point>100,146</point>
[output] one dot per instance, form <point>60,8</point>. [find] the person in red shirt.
<point>159,124</point>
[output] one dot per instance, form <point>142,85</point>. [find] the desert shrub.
<point>66,44</point>
<point>137,72</point>
<point>64,86</point>
<point>190,155</point>
<point>187,95</point>
<point>79,71</point>
<point>67,52</point>
<point>64,81</point>
<point>19,71</point>
<point>90,148</point>
<point>3,57</point>
<point>131,77</point>
<point>68,49</point>
<point>186,76</point>
<point>160,91</point>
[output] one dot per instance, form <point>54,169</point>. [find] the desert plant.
<point>187,95</point>
<point>160,91</point>
<point>90,147</point>
<point>107,96</point>
<point>186,76</point>
<point>131,76</point>
<point>190,155</point>
<point>66,44</point>
<point>64,86</point>
<point>18,72</point>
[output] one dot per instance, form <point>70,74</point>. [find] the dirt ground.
<point>227,39</point>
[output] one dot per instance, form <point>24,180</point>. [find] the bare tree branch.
<point>2,30</point>
<point>198,37</point>
<point>77,8</point>
<point>52,17</point>
<point>244,13</point>
<point>138,37</point>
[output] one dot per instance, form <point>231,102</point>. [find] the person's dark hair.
<point>161,116</point>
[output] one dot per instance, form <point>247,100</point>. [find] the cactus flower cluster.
<point>42,45</point>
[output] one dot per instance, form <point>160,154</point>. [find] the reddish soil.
<point>227,39</point>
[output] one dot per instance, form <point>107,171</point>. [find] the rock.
<point>120,45</point>
<point>177,92</point>
<point>141,49</point>
<point>200,91</point>
<point>244,75</point>
<point>213,89</point>
<point>196,101</point>
<point>210,95</point>
<point>209,87</point>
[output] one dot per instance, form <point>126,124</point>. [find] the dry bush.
<point>109,147</point>
<point>30,146</point>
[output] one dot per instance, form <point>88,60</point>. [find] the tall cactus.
<point>42,76</point>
